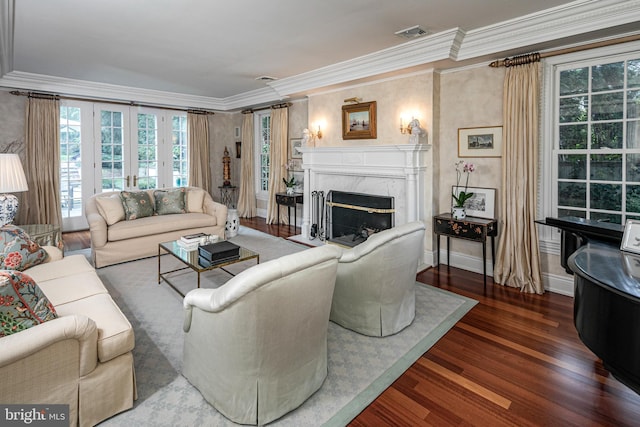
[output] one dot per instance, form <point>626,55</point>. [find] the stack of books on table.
<point>190,242</point>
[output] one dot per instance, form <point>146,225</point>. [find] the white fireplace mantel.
<point>399,171</point>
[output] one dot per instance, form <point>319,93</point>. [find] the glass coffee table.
<point>190,259</point>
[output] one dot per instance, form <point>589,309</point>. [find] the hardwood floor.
<point>514,360</point>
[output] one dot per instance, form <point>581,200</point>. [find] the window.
<point>70,161</point>
<point>263,143</point>
<point>591,148</point>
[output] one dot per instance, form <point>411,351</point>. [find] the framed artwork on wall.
<point>359,121</point>
<point>482,204</point>
<point>480,142</point>
<point>294,144</point>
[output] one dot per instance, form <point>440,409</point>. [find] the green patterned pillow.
<point>22,303</point>
<point>17,250</point>
<point>170,201</point>
<point>136,204</point>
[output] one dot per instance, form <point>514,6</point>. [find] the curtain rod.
<point>535,57</point>
<point>274,107</point>
<point>131,103</point>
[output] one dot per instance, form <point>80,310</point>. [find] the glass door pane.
<point>112,165</point>
<point>147,152</point>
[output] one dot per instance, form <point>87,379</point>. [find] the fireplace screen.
<point>353,217</point>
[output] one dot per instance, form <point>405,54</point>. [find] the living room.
<point>445,94</point>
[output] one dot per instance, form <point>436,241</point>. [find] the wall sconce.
<point>404,128</point>
<point>319,133</point>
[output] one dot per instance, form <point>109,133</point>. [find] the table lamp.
<point>12,180</point>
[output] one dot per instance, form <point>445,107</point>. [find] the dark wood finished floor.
<point>514,360</point>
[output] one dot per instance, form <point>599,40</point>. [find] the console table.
<point>470,228</point>
<point>290,201</point>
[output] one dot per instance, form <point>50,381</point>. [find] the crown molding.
<point>564,21</point>
<point>88,89</point>
<point>415,52</point>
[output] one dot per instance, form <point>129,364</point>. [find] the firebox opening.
<point>353,217</point>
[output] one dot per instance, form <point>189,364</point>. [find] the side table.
<point>290,201</point>
<point>228,195</point>
<point>470,228</point>
<point>44,234</point>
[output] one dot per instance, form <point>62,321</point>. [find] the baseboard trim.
<point>552,282</point>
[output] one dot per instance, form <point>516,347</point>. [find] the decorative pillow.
<point>22,303</point>
<point>17,250</point>
<point>136,204</point>
<point>195,200</point>
<point>170,201</point>
<point>110,207</point>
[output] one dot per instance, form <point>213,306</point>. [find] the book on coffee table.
<point>217,252</point>
<point>192,238</point>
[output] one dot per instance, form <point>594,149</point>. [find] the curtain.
<point>518,257</point>
<point>41,203</point>
<point>247,195</point>
<point>198,137</point>
<point>278,160</point>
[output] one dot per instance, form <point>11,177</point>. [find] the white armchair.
<point>375,286</point>
<point>256,347</point>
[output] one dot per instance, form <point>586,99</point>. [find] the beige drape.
<point>247,195</point>
<point>41,204</point>
<point>198,137</point>
<point>518,258</point>
<point>278,159</point>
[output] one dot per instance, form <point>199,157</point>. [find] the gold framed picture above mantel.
<point>480,142</point>
<point>359,121</point>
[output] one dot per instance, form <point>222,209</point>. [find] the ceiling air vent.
<point>266,78</point>
<point>411,32</point>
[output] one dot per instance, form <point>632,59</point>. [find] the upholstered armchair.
<point>256,347</point>
<point>375,285</point>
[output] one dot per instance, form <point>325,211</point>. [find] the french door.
<point>110,147</point>
<point>128,151</point>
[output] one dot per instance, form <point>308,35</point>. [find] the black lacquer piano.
<point>606,310</point>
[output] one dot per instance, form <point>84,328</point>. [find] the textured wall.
<point>409,96</point>
<point>12,123</point>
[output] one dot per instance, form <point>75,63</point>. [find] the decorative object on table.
<point>217,252</point>
<point>416,131</point>
<point>480,142</point>
<point>359,121</point>
<point>290,182</point>
<point>461,195</point>
<point>482,204</point>
<point>226,168</point>
<point>233,223</point>
<point>295,143</point>
<point>12,180</point>
<point>631,237</point>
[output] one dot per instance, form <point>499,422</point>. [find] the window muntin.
<point>179,153</point>
<point>263,145</point>
<point>70,161</point>
<point>597,149</point>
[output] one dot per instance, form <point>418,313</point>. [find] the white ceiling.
<point>214,50</point>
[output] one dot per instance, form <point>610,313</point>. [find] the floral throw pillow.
<point>170,201</point>
<point>22,303</point>
<point>17,250</point>
<point>136,204</point>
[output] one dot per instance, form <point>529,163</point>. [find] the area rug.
<point>359,367</point>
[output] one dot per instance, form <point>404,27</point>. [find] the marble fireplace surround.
<point>399,171</point>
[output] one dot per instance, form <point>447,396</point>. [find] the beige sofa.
<point>83,358</point>
<point>115,240</point>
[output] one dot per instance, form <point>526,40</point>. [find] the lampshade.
<point>12,179</point>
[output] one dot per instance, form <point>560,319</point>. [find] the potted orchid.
<point>290,182</point>
<point>461,196</point>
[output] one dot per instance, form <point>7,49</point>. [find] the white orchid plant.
<point>461,196</point>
